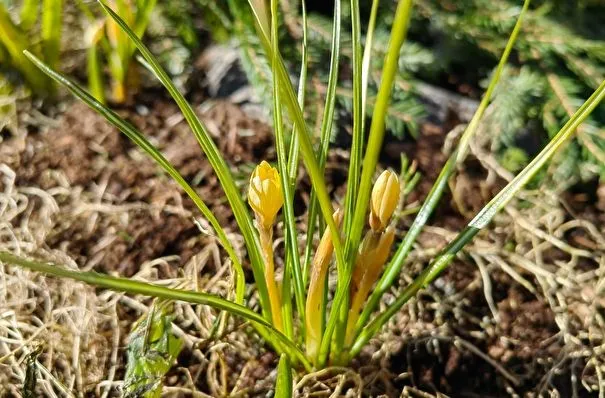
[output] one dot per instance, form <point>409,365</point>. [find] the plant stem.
<point>266,243</point>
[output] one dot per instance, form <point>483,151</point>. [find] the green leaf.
<point>284,173</point>
<point>29,14</point>
<point>268,332</point>
<point>152,349</point>
<point>375,138</point>
<point>242,216</point>
<point>139,139</point>
<point>283,386</point>
<point>325,132</point>
<point>15,42</point>
<point>481,220</point>
<point>392,270</point>
<point>51,31</point>
<point>291,103</point>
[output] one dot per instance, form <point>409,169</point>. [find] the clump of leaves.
<point>355,229</point>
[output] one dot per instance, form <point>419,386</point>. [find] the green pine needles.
<point>355,232</point>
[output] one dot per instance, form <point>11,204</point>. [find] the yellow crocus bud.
<point>385,197</point>
<point>265,194</point>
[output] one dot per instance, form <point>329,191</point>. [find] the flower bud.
<point>385,197</point>
<point>264,194</point>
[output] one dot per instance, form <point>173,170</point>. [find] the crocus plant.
<point>355,232</point>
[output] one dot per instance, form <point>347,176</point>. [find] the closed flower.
<point>265,194</point>
<point>385,197</point>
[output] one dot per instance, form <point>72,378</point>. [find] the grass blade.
<point>139,139</point>
<point>148,289</point>
<point>51,31</point>
<point>367,53</point>
<point>93,63</point>
<point>391,272</point>
<point>284,172</point>
<point>308,152</point>
<point>481,220</point>
<point>358,119</point>
<point>29,14</point>
<point>219,165</point>
<point>283,386</point>
<point>325,133</point>
<point>398,33</point>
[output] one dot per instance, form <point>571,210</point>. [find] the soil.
<point>107,171</point>
<point>95,157</point>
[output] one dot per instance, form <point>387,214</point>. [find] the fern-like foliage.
<point>556,68</point>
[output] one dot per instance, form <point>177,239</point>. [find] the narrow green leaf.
<point>358,120</point>
<point>391,272</point>
<point>51,31</point>
<point>290,100</point>
<point>375,138</point>
<point>325,133</point>
<point>152,349</point>
<point>272,335</point>
<point>29,14</point>
<point>481,220</point>
<point>288,208</point>
<point>93,64</point>
<point>367,54</point>
<point>242,216</point>
<point>15,42</point>
<point>139,139</point>
<point>143,15</point>
<point>283,386</point>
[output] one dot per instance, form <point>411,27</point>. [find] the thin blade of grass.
<point>358,118</point>
<point>391,272</point>
<point>356,155</point>
<point>367,54</point>
<point>51,31</point>
<point>271,334</point>
<point>308,152</point>
<point>139,139</point>
<point>293,265</point>
<point>481,220</point>
<point>294,150</point>
<point>325,133</point>
<point>142,17</point>
<point>293,160</point>
<point>93,63</point>
<point>283,386</point>
<point>375,138</point>
<point>242,216</point>
<point>29,14</point>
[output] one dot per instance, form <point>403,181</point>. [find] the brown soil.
<point>95,157</point>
